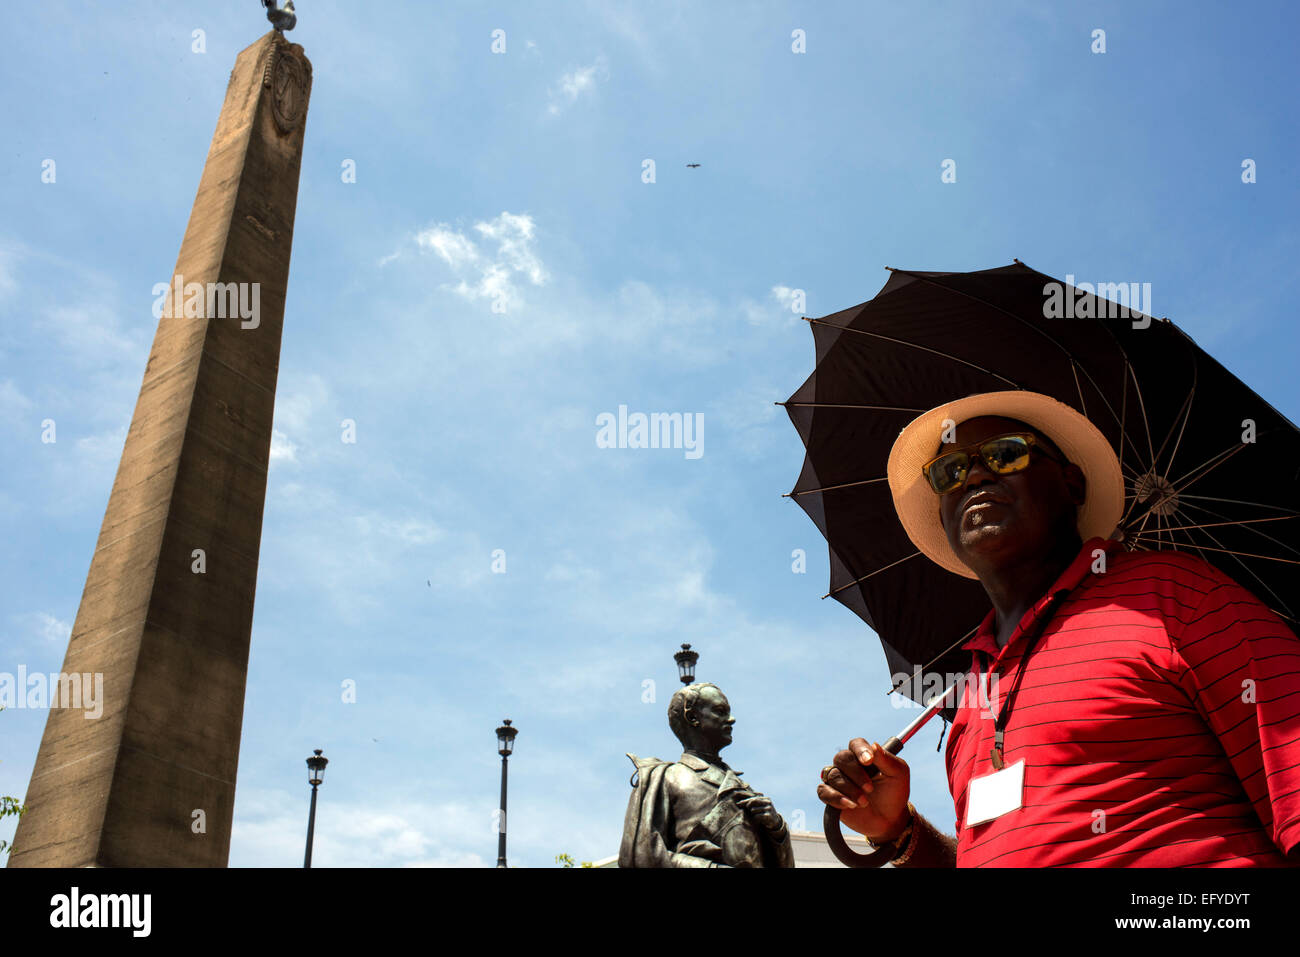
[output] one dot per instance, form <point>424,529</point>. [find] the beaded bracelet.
<point>911,845</point>
<point>902,838</point>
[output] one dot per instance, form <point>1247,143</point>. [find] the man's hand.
<point>874,807</point>
<point>760,808</point>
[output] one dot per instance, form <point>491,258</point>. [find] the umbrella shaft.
<point>933,708</point>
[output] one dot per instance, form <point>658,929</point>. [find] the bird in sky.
<point>692,165</point>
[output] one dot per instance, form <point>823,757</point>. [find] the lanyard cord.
<point>999,725</point>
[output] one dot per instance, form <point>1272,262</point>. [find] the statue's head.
<point>700,716</point>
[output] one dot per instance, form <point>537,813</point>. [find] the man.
<point>1148,707</point>
<point>698,812</point>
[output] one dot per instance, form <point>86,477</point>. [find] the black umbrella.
<point>1209,467</point>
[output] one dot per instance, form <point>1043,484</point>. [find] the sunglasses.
<point>1002,455</point>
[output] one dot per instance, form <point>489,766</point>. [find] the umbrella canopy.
<point>1209,467</point>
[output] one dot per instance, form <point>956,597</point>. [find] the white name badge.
<point>995,794</point>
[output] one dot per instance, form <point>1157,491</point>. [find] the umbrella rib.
<point>1281,544</point>
<point>1185,413</point>
<point>1146,423</point>
<point>828,488</point>
<point>1137,538</point>
<point>1030,325</point>
<point>859,581</point>
<point>1074,368</point>
<point>1132,504</point>
<point>1205,468</point>
<point>1123,414</point>
<point>1237,556</point>
<point>926,667</point>
<point>1123,424</point>
<point>1128,367</point>
<point>1237,501</point>
<point>1244,521</point>
<point>913,345</point>
<point>1191,541</point>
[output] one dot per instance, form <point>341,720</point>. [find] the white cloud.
<point>784,295</point>
<point>49,631</point>
<point>301,404</point>
<point>491,273</point>
<point>47,628</point>
<point>494,260</point>
<point>514,237</point>
<point>296,401</point>
<point>53,630</point>
<point>573,84</point>
<point>576,83</point>
<point>268,832</point>
<point>455,249</point>
<point>411,530</point>
<point>774,309</point>
<point>282,450</point>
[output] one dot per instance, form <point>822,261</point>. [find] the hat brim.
<point>1078,440</point>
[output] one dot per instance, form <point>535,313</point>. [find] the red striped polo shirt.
<point>1158,718</point>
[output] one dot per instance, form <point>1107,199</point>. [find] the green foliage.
<point>9,806</point>
<point>566,860</point>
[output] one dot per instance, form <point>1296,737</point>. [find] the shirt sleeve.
<point>1244,665</point>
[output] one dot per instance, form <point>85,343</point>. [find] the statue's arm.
<point>691,853</point>
<point>684,859</point>
<point>784,846</point>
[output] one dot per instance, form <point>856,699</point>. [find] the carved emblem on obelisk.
<point>285,80</point>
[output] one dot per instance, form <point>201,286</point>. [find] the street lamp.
<point>505,744</point>
<point>315,774</point>
<point>686,664</point>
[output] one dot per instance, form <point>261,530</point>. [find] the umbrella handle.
<point>835,838</point>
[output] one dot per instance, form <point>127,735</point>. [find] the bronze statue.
<point>697,812</point>
<point>284,18</point>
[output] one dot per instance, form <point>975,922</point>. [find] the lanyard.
<point>999,725</point>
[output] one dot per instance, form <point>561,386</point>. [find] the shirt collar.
<point>984,639</point>
<point>697,761</point>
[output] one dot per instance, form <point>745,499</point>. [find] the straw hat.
<point>1078,440</point>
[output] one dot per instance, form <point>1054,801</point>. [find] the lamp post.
<point>686,664</point>
<point>315,774</point>
<point>505,744</point>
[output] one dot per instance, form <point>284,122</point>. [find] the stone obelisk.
<point>167,609</point>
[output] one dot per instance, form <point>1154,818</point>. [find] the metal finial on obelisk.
<point>147,778</point>
<point>282,19</point>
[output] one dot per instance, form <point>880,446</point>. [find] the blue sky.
<point>517,177</point>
